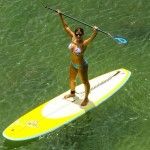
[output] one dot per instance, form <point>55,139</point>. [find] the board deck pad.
<point>59,111</point>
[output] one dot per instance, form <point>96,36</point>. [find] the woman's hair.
<point>79,29</point>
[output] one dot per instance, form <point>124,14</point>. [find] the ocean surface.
<point>34,61</point>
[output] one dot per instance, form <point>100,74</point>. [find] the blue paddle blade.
<point>120,40</point>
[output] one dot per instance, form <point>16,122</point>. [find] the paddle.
<point>118,39</point>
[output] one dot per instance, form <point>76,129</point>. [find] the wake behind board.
<point>59,111</point>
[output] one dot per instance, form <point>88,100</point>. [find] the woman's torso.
<point>77,50</point>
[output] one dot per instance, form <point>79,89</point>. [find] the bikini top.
<point>77,49</point>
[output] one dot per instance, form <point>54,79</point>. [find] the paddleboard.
<point>59,111</point>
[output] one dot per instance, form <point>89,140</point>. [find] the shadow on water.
<point>70,136</point>
<point>10,145</point>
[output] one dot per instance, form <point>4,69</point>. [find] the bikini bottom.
<point>77,66</point>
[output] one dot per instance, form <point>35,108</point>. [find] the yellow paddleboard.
<point>59,111</point>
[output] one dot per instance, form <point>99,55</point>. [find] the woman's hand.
<point>59,12</point>
<point>95,28</point>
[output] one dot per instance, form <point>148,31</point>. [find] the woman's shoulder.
<point>73,40</point>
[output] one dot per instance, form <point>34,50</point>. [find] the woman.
<point>78,64</point>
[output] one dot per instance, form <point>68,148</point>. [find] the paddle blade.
<point>121,40</point>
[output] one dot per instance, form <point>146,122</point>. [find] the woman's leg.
<point>83,74</point>
<point>72,81</point>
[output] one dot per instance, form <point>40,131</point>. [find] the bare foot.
<point>69,95</point>
<point>85,102</point>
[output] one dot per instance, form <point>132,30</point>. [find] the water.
<point>34,64</point>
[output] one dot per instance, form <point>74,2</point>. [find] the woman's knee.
<point>86,82</point>
<point>72,81</point>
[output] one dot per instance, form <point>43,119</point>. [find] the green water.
<point>34,62</point>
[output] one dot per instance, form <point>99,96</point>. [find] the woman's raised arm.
<point>66,27</point>
<point>87,41</point>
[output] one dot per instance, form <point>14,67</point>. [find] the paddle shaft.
<point>78,21</point>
